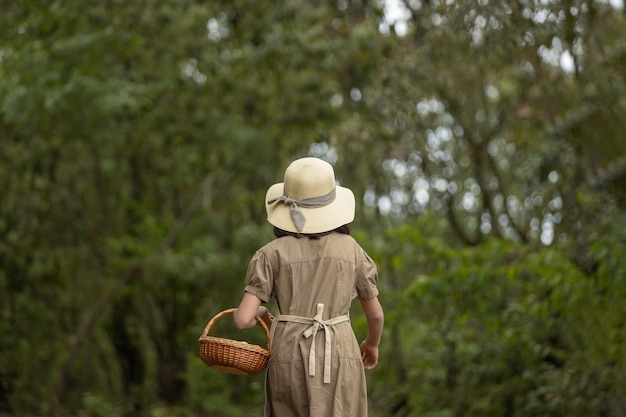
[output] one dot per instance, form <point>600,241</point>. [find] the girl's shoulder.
<point>277,245</point>
<point>342,238</point>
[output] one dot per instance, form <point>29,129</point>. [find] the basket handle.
<point>221,314</point>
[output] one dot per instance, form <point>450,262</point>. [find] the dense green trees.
<point>485,139</point>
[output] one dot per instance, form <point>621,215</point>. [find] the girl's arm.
<point>375,318</point>
<point>249,308</point>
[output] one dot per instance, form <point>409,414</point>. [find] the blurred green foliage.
<point>484,141</point>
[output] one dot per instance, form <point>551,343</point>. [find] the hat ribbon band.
<point>314,202</point>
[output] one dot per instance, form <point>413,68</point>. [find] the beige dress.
<point>314,282</point>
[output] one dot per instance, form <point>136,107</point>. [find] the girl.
<point>313,269</point>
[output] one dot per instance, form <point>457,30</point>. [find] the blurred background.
<point>484,140</point>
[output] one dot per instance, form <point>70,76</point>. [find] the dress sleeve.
<point>367,278</point>
<point>259,278</point>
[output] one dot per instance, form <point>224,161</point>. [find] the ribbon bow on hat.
<point>297,216</point>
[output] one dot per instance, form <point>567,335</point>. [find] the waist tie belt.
<point>316,324</point>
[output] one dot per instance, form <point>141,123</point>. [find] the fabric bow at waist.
<point>316,324</point>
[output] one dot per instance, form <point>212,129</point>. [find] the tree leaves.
<point>484,141</point>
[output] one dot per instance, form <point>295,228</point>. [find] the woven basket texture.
<point>233,356</point>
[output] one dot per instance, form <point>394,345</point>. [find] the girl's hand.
<point>265,315</point>
<point>369,355</point>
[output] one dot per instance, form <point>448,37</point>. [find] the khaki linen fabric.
<point>300,273</point>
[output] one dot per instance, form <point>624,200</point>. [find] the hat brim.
<point>318,220</point>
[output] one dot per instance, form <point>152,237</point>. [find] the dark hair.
<point>341,229</point>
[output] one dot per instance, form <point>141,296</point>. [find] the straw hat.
<point>309,201</point>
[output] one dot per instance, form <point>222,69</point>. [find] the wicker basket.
<point>233,356</point>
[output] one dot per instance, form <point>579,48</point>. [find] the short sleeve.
<point>259,278</point>
<point>367,278</point>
